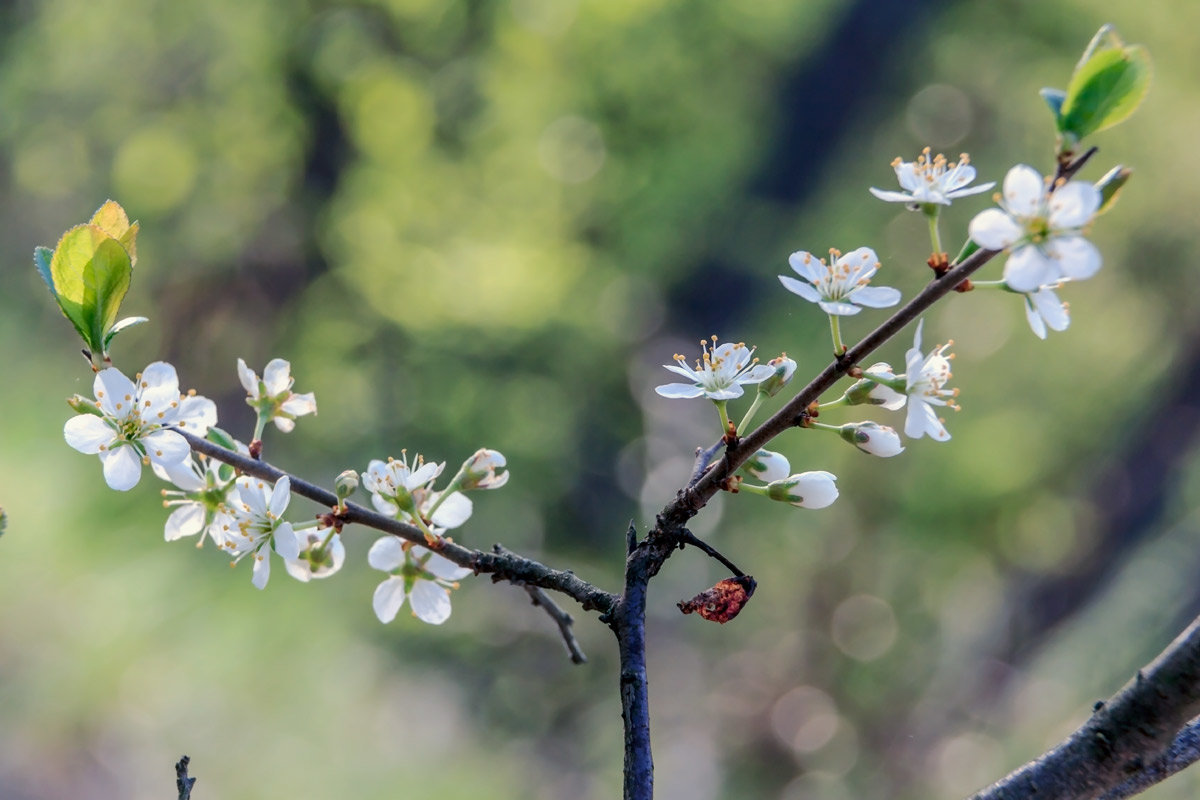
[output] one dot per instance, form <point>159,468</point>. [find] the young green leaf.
<point>128,322</point>
<point>1108,85</point>
<point>90,273</point>
<point>113,220</point>
<point>41,260</point>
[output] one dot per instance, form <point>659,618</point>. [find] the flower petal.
<point>454,510</point>
<point>88,433</point>
<point>891,197</point>
<point>1029,268</point>
<point>386,554</point>
<point>122,467</point>
<point>277,377</point>
<point>430,602</point>
<point>280,496</point>
<point>442,567</point>
<point>262,569</point>
<point>1077,258</point>
<point>114,392</point>
<point>196,414</point>
<point>248,378</point>
<point>801,288</point>
<point>187,520</point>
<point>166,447</point>
<point>1024,190</point>
<point>876,296</point>
<point>388,598</point>
<point>1036,323</point>
<point>285,541</point>
<point>300,404</point>
<point>992,229</point>
<point>1073,205</point>
<point>807,266</point>
<point>839,309</point>
<point>1051,309</point>
<point>679,390</point>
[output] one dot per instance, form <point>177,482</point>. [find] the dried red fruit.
<point>722,602</point>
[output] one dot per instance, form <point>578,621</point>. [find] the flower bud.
<point>82,405</point>
<point>345,484</point>
<point>873,438</point>
<point>784,369</point>
<point>479,471</point>
<point>814,489</point>
<point>766,466</point>
<point>879,386</point>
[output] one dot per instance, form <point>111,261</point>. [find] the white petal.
<point>384,506</point>
<point>957,193</point>
<point>1073,205</point>
<point>280,496</point>
<point>166,447</point>
<point>876,296</point>
<point>817,488</point>
<point>801,288</point>
<point>186,520</point>
<point>922,420</point>
<point>1051,309</point>
<point>756,374</point>
<point>114,392</point>
<point>248,379</point>
<point>262,569</point>
<point>839,309</point>
<point>728,393</point>
<point>196,414</point>
<point>299,569</point>
<point>122,467</point>
<point>906,175</point>
<point>454,511</point>
<point>389,597</point>
<point>679,390</point>
<point>807,266</point>
<point>992,229</point>
<point>958,177</point>
<point>300,404</point>
<point>430,602</point>
<point>1023,191</point>
<point>891,197</point>
<point>284,424</point>
<point>1028,268</point>
<point>444,568</point>
<point>158,388</point>
<point>1077,258</point>
<point>286,542</point>
<point>184,474</point>
<point>277,377</point>
<point>1036,323</point>
<point>87,433</point>
<point>386,554</point>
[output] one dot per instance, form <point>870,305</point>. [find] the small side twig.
<point>562,619</point>
<point>182,781</point>
<point>687,537</point>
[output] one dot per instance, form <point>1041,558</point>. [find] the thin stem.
<point>720,404</point>
<point>835,331</point>
<point>750,412</point>
<point>934,236</point>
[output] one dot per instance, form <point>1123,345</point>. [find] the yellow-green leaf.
<point>90,271</point>
<point>113,220</point>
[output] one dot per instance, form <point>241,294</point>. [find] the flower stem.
<point>260,423</point>
<point>836,331</point>
<point>720,404</point>
<point>931,214</point>
<point>741,428</point>
<point>844,400</point>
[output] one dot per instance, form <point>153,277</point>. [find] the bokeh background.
<point>489,223</point>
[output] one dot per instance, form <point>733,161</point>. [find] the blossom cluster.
<point>133,423</point>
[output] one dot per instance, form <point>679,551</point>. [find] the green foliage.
<point>89,273</point>
<point>1110,186</point>
<point>1108,85</point>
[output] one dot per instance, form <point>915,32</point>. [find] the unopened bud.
<point>345,484</point>
<point>785,368</point>
<point>82,405</point>
<point>766,466</point>
<point>879,386</point>
<point>873,438</point>
<point>815,489</point>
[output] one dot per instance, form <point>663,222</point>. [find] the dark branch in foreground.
<point>504,565</point>
<point>1183,752</point>
<point>182,782</point>
<point>562,619</point>
<point>1120,749</point>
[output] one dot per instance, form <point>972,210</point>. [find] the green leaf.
<point>41,260</point>
<point>1106,88</point>
<point>90,273</point>
<point>113,220</point>
<point>128,322</point>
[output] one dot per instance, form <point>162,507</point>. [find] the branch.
<point>562,619</point>
<point>504,565</point>
<point>182,782</point>
<point>1183,752</point>
<point>1121,747</point>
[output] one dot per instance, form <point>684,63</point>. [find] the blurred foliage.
<point>476,223</point>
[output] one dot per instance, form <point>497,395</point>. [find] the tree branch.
<point>1183,752</point>
<point>1120,747</point>
<point>504,565</point>
<point>182,782</point>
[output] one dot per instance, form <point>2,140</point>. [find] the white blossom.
<point>203,488</point>
<point>839,287</point>
<point>321,553</point>
<point>273,394</point>
<point>1042,229</point>
<point>933,180</point>
<point>480,470</point>
<point>926,378</point>
<point>405,490</point>
<point>1044,310</point>
<point>423,577</point>
<point>719,375</point>
<point>256,525</point>
<point>135,424</point>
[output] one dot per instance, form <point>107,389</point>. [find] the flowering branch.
<point>502,565</point>
<point>1121,746</point>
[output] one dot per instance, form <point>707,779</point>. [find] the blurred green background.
<point>489,223</point>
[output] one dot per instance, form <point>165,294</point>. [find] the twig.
<point>504,565</point>
<point>562,619</point>
<point>1123,740</point>
<point>182,782</point>
<point>687,537</point>
<point>1183,752</point>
